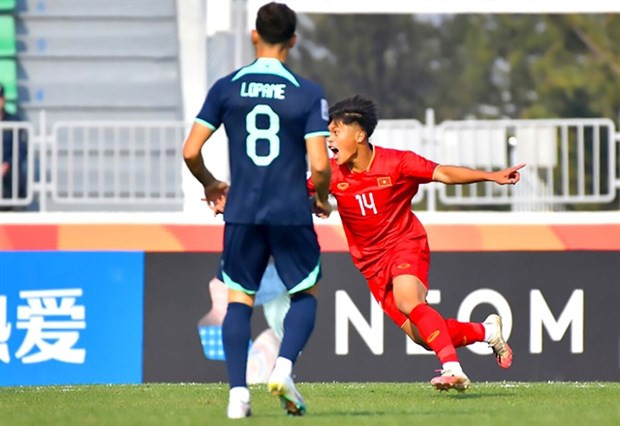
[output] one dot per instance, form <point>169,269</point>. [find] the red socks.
<point>434,331</point>
<point>465,333</point>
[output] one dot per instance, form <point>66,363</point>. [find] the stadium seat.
<point>7,36</point>
<point>8,78</point>
<point>7,5</point>
<point>10,107</point>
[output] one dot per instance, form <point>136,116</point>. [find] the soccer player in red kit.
<point>374,187</point>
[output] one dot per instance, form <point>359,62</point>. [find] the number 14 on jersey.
<point>366,203</point>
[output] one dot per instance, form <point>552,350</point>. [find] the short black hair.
<point>356,109</point>
<point>276,22</point>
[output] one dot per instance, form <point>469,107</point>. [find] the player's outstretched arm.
<point>215,190</point>
<point>457,174</point>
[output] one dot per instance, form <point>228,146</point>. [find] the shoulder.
<point>224,82</point>
<point>309,85</point>
<point>394,161</point>
<point>389,155</point>
<point>399,155</point>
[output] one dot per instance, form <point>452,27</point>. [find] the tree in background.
<point>386,57</point>
<point>485,66</point>
<point>579,74</point>
<point>470,66</point>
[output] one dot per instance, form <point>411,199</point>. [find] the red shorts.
<point>410,257</point>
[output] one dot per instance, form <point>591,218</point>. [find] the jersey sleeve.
<point>210,114</point>
<point>416,166</point>
<point>316,122</point>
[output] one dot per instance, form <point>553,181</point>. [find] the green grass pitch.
<point>338,404</point>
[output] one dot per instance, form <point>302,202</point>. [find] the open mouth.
<point>334,151</point>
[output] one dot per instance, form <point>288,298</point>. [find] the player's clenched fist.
<point>320,209</point>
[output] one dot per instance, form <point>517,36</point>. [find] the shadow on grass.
<point>366,413</point>
<point>471,395</point>
<point>452,396</point>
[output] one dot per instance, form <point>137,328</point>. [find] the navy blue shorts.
<point>247,249</point>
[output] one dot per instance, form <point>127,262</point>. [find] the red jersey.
<point>375,205</point>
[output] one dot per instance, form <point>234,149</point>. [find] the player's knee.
<point>407,304</point>
<point>237,296</point>
<point>409,292</point>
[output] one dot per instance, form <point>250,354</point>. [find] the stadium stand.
<point>7,35</point>
<point>8,78</point>
<point>7,5</point>
<point>8,51</point>
<point>98,60</point>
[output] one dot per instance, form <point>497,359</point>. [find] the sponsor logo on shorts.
<point>404,265</point>
<point>342,186</point>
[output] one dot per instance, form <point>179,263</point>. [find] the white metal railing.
<point>16,164</point>
<point>568,160</point>
<point>123,163</point>
<point>117,162</point>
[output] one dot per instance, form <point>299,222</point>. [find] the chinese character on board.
<point>52,321</point>
<point>5,332</point>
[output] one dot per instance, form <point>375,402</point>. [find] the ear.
<point>254,37</point>
<point>360,136</point>
<point>292,41</point>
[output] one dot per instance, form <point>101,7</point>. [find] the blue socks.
<point>298,325</point>
<point>236,333</point>
<point>236,338</point>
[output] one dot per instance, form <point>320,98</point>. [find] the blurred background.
<point>106,90</point>
<point>103,231</point>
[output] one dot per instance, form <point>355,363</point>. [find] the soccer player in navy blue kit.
<point>273,119</point>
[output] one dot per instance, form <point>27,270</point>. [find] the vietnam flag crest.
<point>384,181</point>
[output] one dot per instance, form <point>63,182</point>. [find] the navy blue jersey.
<point>268,112</point>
